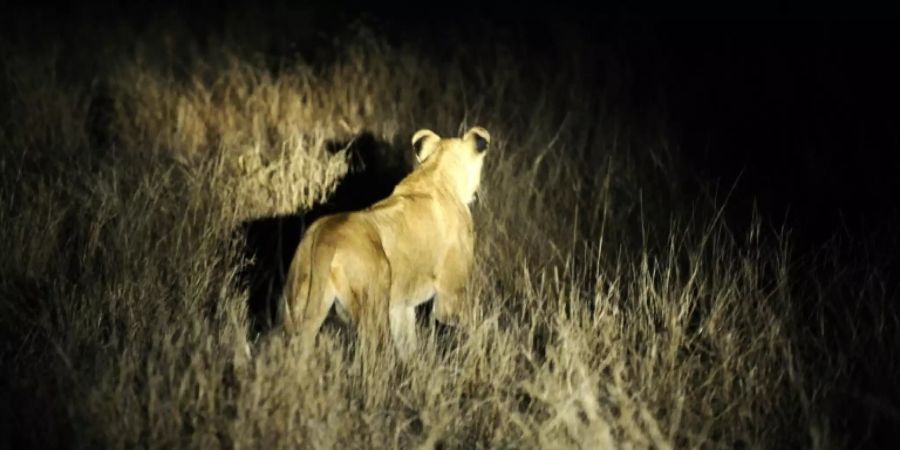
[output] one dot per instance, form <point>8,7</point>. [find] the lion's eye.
<point>481,144</point>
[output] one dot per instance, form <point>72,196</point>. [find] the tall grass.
<point>612,311</point>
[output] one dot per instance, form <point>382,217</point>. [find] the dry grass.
<point>609,317</point>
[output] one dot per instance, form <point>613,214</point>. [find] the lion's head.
<point>459,159</point>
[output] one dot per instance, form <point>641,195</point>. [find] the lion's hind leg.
<point>306,315</point>
<point>310,294</point>
<point>373,308</point>
<point>316,313</point>
<point>403,329</point>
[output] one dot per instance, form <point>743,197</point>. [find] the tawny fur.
<point>378,264</point>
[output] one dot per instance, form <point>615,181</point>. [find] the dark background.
<point>794,110</point>
<point>790,108</point>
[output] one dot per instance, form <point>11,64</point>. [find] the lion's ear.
<point>480,137</point>
<point>423,142</point>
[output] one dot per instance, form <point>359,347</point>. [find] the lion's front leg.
<point>450,288</point>
<point>403,329</point>
<point>448,305</point>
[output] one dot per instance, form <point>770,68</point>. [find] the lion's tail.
<point>305,286</point>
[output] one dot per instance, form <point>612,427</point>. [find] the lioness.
<point>388,258</point>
